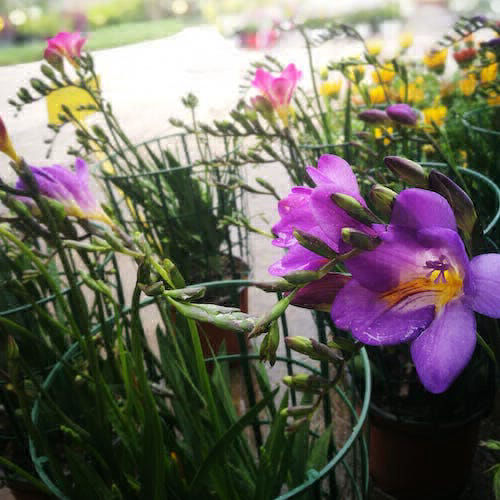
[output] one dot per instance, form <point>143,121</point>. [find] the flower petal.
<point>297,258</point>
<point>333,169</point>
<point>442,351</point>
<point>331,218</point>
<point>320,294</point>
<point>373,321</point>
<point>419,209</point>
<point>485,277</point>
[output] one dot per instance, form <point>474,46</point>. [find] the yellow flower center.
<point>444,285</point>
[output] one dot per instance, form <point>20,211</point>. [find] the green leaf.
<point>228,437</point>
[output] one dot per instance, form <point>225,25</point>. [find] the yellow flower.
<point>355,73</point>
<point>468,84</point>
<point>374,47</point>
<point>385,73</point>
<point>331,89</point>
<point>405,40</point>
<point>428,149</point>
<point>413,95</point>
<point>419,80</point>
<point>6,146</point>
<point>437,115</point>
<point>493,99</point>
<point>379,133</point>
<point>377,95</point>
<point>489,73</point>
<point>436,61</point>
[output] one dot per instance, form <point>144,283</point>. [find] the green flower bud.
<point>297,411</point>
<point>354,208</point>
<point>314,244</point>
<point>270,344</point>
<point>302,277</point>
<point>407,170</point>
<point>382,198</point>
<point>358,239</point>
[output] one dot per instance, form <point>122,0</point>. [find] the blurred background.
<point>25,24</point>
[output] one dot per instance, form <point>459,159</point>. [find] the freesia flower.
<point>70,188</point>
<point>6,146</point>
<point>436,61</point>
<point>402,114</point>
<point>383,133</point>
<point>411,93</point>
<point>464,56</point>
<point>468,84</point>
<point>489,73</point>
<point>419,286</point>
<point>278,90</point>
<point>64,46</point>
<point>304,209</point>
<point>436,114</point>
<point>405,40</point>
<point>377,95</point>
<point>385,74</point>
<point>330,89</point>
<point>374,47</point>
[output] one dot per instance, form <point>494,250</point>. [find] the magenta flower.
<point>64,45</point>
<point>311,210</point>
<point>402,114</point>
<point>278,90</point>
<point>373,116</point>
<point>69,188</point>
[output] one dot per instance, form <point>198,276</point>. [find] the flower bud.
<point>6,144</point>
<point>373,116</point>
<point>407,170</point>
<point>54,59</point>
<point>264,107</point>
<point>323,73</point>
<point>301,277</point>
<point>270,344</point>
<point>12,349</point>
<point>382,198</point>
<point>311,348</point>
<point>305,382</point>
<point>402,114</point>
<point>462,205</point>
<point>354,208</point>
<point>186,294</point>
<point>314,244</point>
<point>280,285</point>
<point>358,239</point>
<point>296,411</point>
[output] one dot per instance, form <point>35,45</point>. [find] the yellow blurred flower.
<point>384,74</point>
<point>468,84</point>
<point>436,61</point>
<point>374,47</point>
<point>405,40</point>
<point>355,73</point>
<point>493,99</point>
<point>419,80</point>
<point>489,73</point>
<point>379,133</point>
<point>428,148</point>
<point>413,95</point>
<point>377,95</point>
<point>436,114</point>
<point>331,89</point>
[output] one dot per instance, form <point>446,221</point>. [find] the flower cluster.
<point>411,280</point>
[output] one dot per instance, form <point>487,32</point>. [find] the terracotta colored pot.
<point>415,461</point>
<point>212,336</point>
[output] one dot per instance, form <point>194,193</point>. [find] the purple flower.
<point>418,286</point>
<point>312,210</point>
<point>64,45</point>
<point>69,188</point>
<point>402,114</point>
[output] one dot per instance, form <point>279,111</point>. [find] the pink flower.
<point>64,45</point>
<point>278,90</point>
